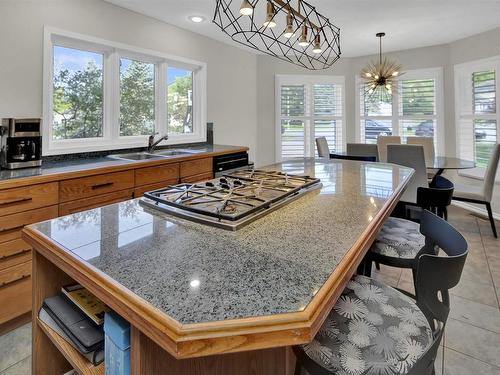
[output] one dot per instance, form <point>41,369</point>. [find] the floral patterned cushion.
<point>399,238</point>
<point>372,330</point>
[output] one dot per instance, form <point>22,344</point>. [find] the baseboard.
<point>471,207</point>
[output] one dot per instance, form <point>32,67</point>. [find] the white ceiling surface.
<point>408,23</point>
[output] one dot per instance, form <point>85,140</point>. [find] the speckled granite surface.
<point>65,166</point>
<point>196,273</point>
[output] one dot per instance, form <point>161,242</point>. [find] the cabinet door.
<point>84,187</point>
<point>198,177</point>
<point>12,225</point>
<point>28,198</point>
<point>15,298</point>
<point>196,167</point>
<point>153,175</point>
<point>94,202</point>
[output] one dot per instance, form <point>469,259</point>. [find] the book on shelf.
<point>95,356</point>
<point>93,307</point>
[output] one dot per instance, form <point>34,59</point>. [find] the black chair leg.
<point>492,220</point>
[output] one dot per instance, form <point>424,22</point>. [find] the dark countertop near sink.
<point>66,166</point>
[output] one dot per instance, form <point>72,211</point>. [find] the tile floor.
<point>471,343</point>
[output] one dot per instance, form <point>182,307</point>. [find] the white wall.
<point>232,72</point>
<point>446,56</point>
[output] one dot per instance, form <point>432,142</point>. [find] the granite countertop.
<point>66,166</point>
<point>196,273</point>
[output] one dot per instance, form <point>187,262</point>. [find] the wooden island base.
<point>53,355</point>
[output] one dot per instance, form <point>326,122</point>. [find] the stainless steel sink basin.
<point>136,156</point>
<point>176,152</point>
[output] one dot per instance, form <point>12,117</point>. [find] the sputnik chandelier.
<point>294,33</point>
<point>380,79</point>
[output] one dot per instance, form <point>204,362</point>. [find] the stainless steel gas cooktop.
<point>233,200</point>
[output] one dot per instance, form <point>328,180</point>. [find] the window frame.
<point>464,71</point>
<point>307,80</point>
<point>396,117</point>
<point>112,53</point>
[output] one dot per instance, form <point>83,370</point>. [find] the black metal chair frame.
<point>435,275</point>
<point>488,208</point>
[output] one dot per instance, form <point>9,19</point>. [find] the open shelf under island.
<point>204,300</point>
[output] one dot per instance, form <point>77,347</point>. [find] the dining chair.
<point>484,194</point>
<point>411,156</point>
<point>376,329</point>
<point>362,149</point>
<point>427,143</point>
<point>382,142</point>
<point>322,146</point>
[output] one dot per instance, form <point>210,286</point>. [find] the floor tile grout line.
<point>489,268</point>
<point>5,369</point>
<point>471,300</point>
<point>470,356</point>
<point>476,326</point>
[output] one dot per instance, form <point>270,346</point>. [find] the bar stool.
<point>375,329</point>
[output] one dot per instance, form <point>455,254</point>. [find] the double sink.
<point>155,155</point>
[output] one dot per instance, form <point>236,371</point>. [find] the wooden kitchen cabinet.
<point>196,167</point>
<point>12,225</point>
<point>197,177</point>
<point>94,202</point>
<point>139,191</point>
<point>91,186</point>
<point>15,298</point>
<point>153,175</point>
<point>27,198</point>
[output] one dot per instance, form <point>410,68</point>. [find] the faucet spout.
<point>152,143</point>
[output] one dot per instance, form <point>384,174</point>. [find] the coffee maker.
<point>21,143</point>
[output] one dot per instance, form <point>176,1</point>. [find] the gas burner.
<point>231,200</point>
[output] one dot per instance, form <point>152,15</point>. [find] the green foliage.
<point>137,99</point>
<point>180,117</point>
<point>78,103</point>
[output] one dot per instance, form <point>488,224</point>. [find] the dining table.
<point>443,163</point>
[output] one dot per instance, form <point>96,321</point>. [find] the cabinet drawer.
<point>15,299</point>
<point>91,186</point>
<point>139,191</point>
<point>194,167</point>
<point>15,273</point>
<point>12,225</point>
<point>198,177</point>
<point>151,175</point>
<point>94,202</point>
<point>28,197</point>
<point>14,252</point>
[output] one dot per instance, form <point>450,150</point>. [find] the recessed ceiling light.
<point>197,19</point>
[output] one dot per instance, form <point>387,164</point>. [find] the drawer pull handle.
<point>13,281</point>
<point>16,200</point>
<point>99,186</point>
<point>12,228</point>
<point>22,251</point>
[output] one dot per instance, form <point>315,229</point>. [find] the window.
<point>137,98</point>
<point>476,90</point>
<point>414,109</point>
<point>114,96</point>
<point>180,100</point>
<point>77,94</point>
<point>308,107</point>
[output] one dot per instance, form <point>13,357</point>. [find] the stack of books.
<point>78,317</point>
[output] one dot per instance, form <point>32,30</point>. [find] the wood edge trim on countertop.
<point>202,339</point>
<point>120,166</point>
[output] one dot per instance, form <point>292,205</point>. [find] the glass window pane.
<point>327,129</point>
<point>292,138</point>
<point>374,128</point>
<point>327,100</point>
<point>484,92</point>
<point>418,127</point>
<point>293,100</point>
<point>418,97</point>
<point>77,94</point>
<point>137,97</point>
<point>180,100</point>
<point>485,136</point>
<point>374,104</point>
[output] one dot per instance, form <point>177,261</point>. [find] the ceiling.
<point>408,23</point>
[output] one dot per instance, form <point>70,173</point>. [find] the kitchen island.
<point>204,300</point>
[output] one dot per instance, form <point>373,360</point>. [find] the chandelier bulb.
<point>303,42</point>
<point>317,45</point>
<point>270,23</point>
<point>376,76</point>
<point>395,74</point>
<point>289,31</point>
<point>246,9</point>
<point>368,75</point>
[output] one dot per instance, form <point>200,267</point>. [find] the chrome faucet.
<point>152,143</point>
